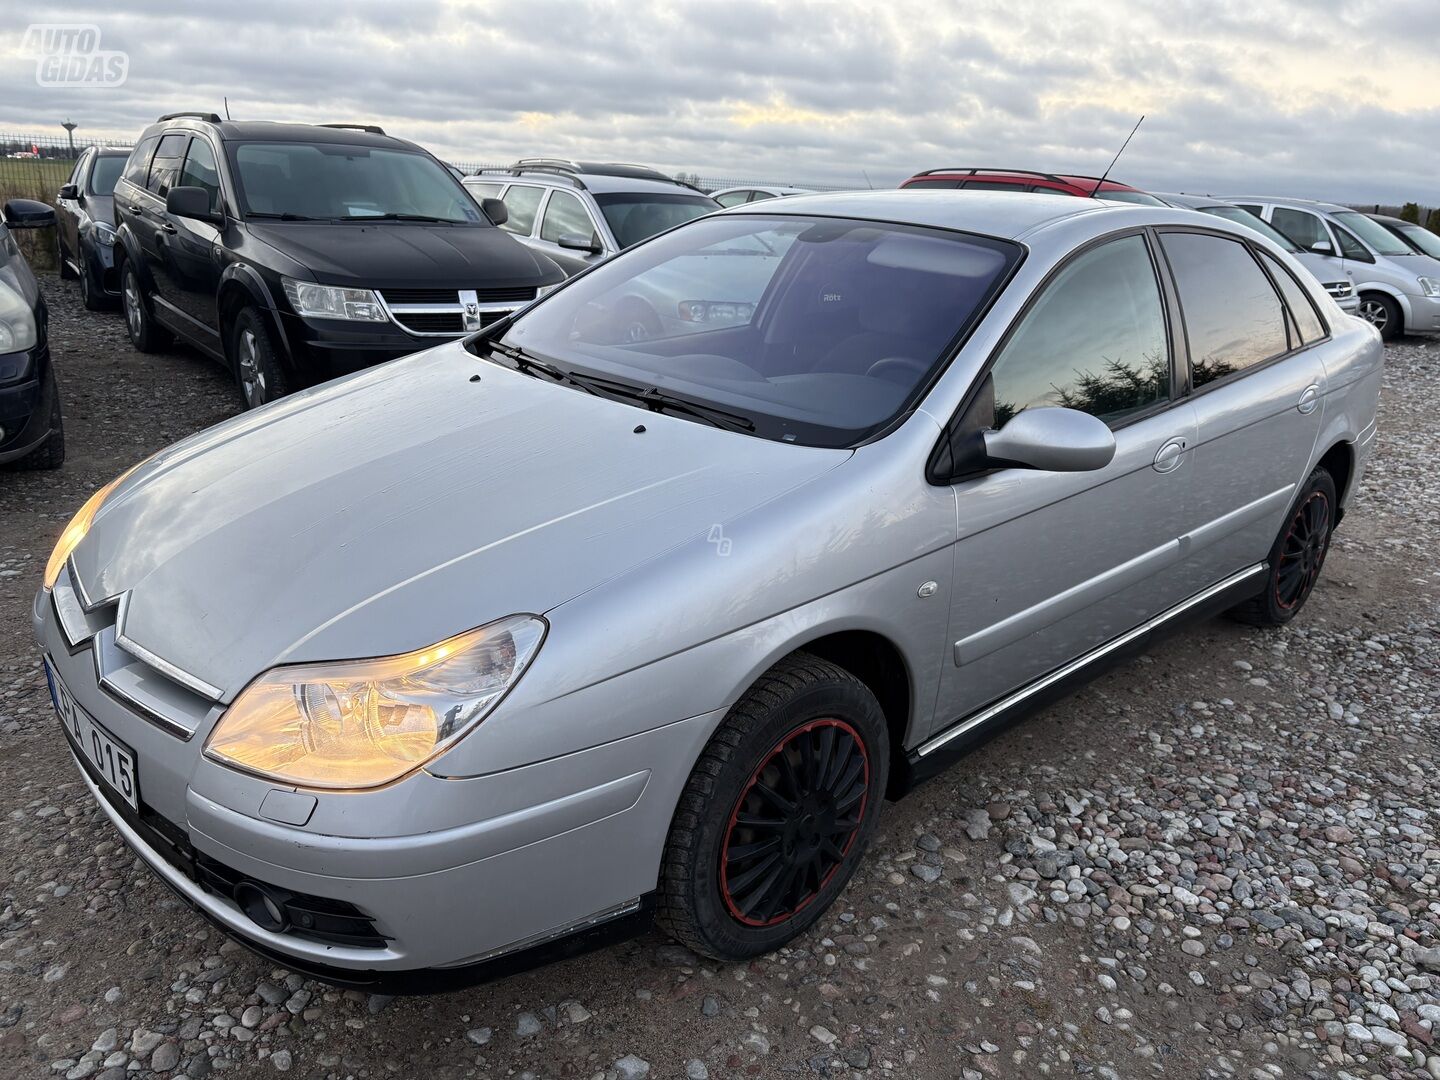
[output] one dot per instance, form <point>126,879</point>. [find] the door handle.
<point>1309,398</point>
<point>135,208</point>
<point>1169,456</point>
<point>167,226</point>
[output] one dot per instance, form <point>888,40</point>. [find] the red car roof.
<point>1067,182</point>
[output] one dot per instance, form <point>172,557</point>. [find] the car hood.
<point>101,208</point>
<point>1323,267</point>
<point>401,506</point>
<point>399,254</point>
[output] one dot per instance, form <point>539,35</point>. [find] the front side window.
<point>137,165</point>
<point>565,214</point>
<point>818,331</point>
<point>344,182</point>
<point>1305,229</point>
<point>1352,248</point>
<point>200,171</point>
<point>1232,315</point>
<point>1379,239</point>
<point>523,202</point>
<point>166,166</point>
<point>1094,340</point>
<point>1240,216</point>
<point>105,173</point>
<point>636,216</point>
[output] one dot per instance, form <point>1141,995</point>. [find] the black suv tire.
<point>258,372</point>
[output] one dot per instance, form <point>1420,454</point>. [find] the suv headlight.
<point>362,723</point>
<point>17,321</point>
<point>333,302</point>
<point>1430,285</point>
<point>104,233</point>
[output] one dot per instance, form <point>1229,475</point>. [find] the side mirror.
<point>1051,439</point>
<point>495,210</point>
<point>69,191</point>
<point>28,214</point>
<point>579,242</point>
<point>1322,247</point>
<point>191,202</point>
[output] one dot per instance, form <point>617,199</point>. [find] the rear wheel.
<point>145,335</point>
<point>1383,313</point>
<point>1296,557</point>
<point>777,812</point>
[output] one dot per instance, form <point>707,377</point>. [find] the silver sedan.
<point>515,645</point>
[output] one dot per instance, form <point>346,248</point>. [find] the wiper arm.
<point>286,216</point>
<point>398,217</point>
<point>656,400</point>
<point>529,365</point>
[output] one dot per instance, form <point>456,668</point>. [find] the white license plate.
<point>113,760</point>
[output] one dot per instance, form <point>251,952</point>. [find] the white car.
<point>751,193</point>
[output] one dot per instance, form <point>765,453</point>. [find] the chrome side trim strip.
<point>177,675</point>
<point>992,711</point>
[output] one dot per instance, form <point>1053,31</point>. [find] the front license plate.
<point>113,760</point>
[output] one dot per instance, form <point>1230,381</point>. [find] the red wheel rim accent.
<point>794,823</point>
<point>1302,552</point>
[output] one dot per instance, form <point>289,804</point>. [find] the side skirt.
<point>964,734</point>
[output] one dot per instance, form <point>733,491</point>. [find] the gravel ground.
<point>1219,861</point>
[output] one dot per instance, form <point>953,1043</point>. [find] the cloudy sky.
<point>1328,98</point>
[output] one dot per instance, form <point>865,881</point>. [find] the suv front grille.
<point>514,294</point>
<point>422,322</point>
<point>449,312</point>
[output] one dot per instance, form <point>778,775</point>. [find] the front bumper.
<point>557,854</point>
<point>98,260</point>
<point>1423,316</point>
<point>25,407</point>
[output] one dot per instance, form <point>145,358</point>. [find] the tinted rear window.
<point>137,165</point>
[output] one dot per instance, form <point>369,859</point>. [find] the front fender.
<point>248,280</point>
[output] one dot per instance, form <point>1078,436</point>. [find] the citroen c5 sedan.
<point>580,631</point>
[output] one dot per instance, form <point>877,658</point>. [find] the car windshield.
<point>104,174</point>
<point>334,181</point>
<point>1253,223</point>
<point>1380,239</point>
<point>1141,197</point>
<point>636,216</point>
<point>819,331</point>
<point>1422,238</point>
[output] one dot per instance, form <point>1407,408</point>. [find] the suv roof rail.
<point>593,168</point>
<point>969,171</point>
<point>373,129</point>
<point>213,118</point>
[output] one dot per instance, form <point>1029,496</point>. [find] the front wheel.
<point>145,335</point>
<point>257,366</point>
<point>777,811</point>
<point>1297,555</point>
<point>1383,313</point>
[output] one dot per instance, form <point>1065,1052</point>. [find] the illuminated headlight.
<point>717,311</point>
<point>78,527</point>
<point>17,321</point>
<point>104,233</point>
<point>362,723</point>
<point>333,302</point>
<point>1430,285</point>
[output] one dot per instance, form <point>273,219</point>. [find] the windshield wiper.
<point>399,217</point>
<point>286,216</point>
<point>656,400</point>
<point>530,365</point>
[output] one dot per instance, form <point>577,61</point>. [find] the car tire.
<point>66,274</point>
<point>50,454</point>
<point>91,295</point>
<point>1297,556</point>
<point>145,334</point>
<point>258,372</point>
<point>1383,313</point>
<point>740,875</point>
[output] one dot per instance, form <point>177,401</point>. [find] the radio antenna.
<point>227,107</point>
<point>1106,175</point>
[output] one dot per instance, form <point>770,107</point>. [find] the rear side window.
<point>522,200</point>
<point>200,171</point>
<point>484,191</point>
<point>1307,230</point>
<point>1094,340</point>
<point>1302,312</point>
<point>761,196</point>
<point>992,185</point>
<point>1232,314</point>
<point>733,198</point>
<point>565,214</point>
<point>166,166</point>
<point>137,165</point>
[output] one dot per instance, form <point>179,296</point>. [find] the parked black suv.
<point>31,436</point>
<point>85,225</point>
<point>294,253</point>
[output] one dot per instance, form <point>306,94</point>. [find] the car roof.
<point>1022,176</point>
<point>1008,215</point>
<point>595,183</point>
<point>279,131</point>
<point>1192,202</point>
<point>1386,219</point>
<point>1285,200</point>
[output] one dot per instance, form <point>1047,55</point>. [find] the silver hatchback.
<point>518,644</point>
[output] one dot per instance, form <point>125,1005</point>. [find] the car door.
<point>1050,565</point>
<point>1257,388</point>
<point>566,216</point>
<point>149,220</point>
<point>522,201</point>
<point>1311,233</point>
<point>194,246</point>
<point>70,212</point>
